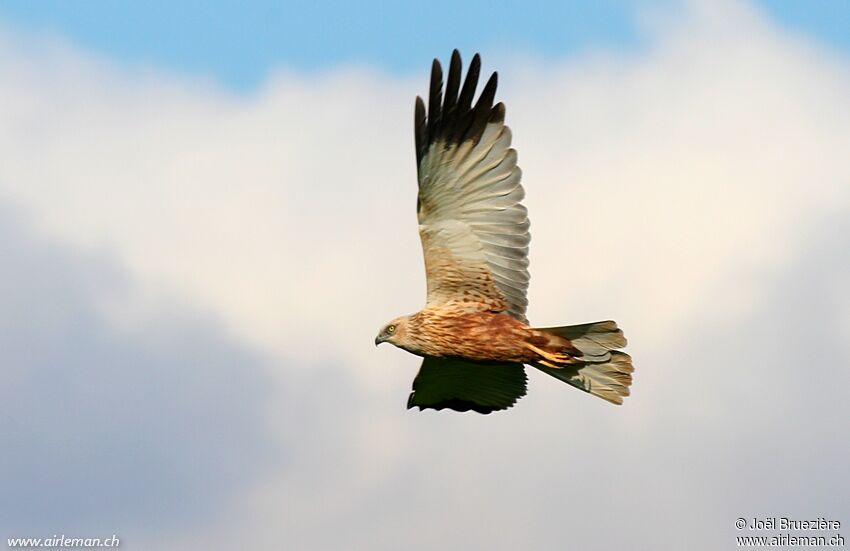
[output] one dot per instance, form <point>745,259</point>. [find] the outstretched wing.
<point>473,228</point>
<point>464,386</point>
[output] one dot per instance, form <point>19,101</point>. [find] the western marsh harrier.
<point>473,333</point>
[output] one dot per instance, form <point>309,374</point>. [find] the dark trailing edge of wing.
<point>454,119</point>
<point>467,386</point>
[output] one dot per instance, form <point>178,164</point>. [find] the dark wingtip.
<point>436,74</point>
<point>489,91</point>
<point>451,115</point>
<point>497,115</point>
<point>420,133</point>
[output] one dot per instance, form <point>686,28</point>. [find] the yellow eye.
<point>391,329</point>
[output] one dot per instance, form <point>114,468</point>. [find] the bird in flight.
<point>472,334</point>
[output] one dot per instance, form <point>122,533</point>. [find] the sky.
<point>239,44</point>
<point>207,214</point>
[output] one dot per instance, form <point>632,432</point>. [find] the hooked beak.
<point>378,340</point>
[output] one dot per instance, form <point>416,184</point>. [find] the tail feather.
<point>601,369</point>
<point>594,340</point>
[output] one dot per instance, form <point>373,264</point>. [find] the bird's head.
<point>395,332</point>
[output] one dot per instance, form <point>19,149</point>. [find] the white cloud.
<point>101,423</point>
<point>674,189</point>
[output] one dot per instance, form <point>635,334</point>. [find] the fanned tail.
<point>598,368</point>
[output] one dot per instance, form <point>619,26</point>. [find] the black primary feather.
<point>451,118</point>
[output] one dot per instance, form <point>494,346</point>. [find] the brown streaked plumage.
<point>473,333</point>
